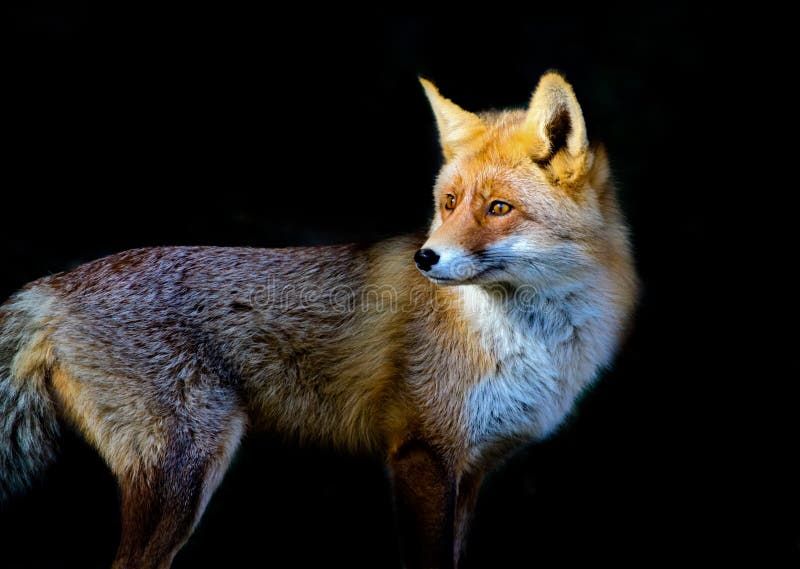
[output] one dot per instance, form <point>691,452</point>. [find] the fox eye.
<point>499,208</point>
<point>449,202</point>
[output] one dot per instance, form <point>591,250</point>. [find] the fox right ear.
<point>555,133</point>
<point>555,120</point>
<point>459,130</point>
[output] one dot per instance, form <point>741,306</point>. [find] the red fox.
<point>442,352</point>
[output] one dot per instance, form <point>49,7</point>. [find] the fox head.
<point>522,197</point>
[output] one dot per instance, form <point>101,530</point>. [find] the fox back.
<point>441,352</point>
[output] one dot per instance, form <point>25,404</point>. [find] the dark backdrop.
<point>217,126</point>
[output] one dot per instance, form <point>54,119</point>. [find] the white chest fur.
<point>547,348</point>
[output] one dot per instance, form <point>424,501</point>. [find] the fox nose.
<point>425,259</point>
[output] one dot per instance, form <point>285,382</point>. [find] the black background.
<point>227,127</point>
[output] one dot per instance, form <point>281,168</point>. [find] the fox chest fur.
<point>527,357</point>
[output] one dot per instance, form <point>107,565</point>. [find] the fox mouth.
<point>464,280</point>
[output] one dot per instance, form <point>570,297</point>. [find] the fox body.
<point>163,358</point>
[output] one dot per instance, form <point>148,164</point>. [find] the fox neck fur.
<point>526,353</point>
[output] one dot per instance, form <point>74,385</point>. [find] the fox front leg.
<point>469,485</point>
<point>425,500</point>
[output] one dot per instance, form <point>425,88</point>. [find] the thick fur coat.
<point>163,358</point>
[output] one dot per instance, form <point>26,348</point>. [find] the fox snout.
<point>447,265</point>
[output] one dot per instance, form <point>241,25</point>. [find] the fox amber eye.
<point>500,208</point>
<point>449,202</point>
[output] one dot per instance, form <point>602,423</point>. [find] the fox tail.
<point>28,424</point>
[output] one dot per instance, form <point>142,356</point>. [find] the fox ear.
<point>555,120</point>
<point>459,130</point>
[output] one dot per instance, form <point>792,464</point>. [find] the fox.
<point>441,353</point>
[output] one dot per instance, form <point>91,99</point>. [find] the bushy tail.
<point>28,423</point>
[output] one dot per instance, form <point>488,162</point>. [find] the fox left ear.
<point>554,123</point>
<point>459,130</point>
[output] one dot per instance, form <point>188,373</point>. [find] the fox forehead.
<point>500,162</point>
<point>487,176</point>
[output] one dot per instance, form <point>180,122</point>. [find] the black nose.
<point>425,259</point>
